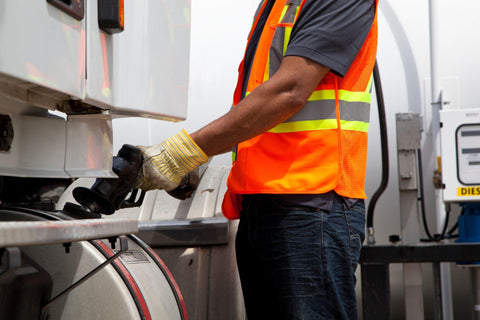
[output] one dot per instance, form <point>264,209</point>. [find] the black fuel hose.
<point>435,237</point>
<point>422,204</point>
<point>384,148</point>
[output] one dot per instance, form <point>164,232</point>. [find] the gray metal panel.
<point>409,130</point>
<point>190,267</point>
<point>43,45</point>
<point>225,291</point>
<point>184,232</point>
<point>407,170</point>
<point>147,75</point>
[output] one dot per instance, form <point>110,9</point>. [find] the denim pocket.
<point>356,225</point>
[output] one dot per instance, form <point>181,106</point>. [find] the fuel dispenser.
<point>459,182</point>
<point>460,142</point>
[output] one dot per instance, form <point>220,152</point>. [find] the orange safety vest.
<point>322,147</point>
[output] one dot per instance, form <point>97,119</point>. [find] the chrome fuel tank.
<point>135,285</point>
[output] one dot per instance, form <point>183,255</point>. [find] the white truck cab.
<point>68,68</point>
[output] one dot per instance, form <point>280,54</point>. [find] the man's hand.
<point>166,164</point>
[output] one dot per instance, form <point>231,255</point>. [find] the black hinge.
<point>6,133</point>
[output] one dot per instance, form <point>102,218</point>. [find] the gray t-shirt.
<point>329,32</point>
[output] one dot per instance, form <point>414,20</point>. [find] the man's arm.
<point>268,105</point>
<point>166,164</point>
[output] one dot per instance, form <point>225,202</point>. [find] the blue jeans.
<point>299,262</point>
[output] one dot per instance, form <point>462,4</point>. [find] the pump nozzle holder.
<point>108,194</point>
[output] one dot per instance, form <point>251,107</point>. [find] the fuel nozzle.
<point>109,194</point>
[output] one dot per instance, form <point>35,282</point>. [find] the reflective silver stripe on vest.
<point>276,51</point>
<point>314,109</point>
<point>278,42</point>
<point>325,109</point>
<point>289,16</point>
<point>297,2</point>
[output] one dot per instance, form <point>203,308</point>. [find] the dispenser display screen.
<point>460,154</point>
<point>468,154</point>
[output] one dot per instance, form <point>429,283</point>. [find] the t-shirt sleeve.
<point>331,32</point>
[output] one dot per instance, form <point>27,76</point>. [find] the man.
<point>299,131</point>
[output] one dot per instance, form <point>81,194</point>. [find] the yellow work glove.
<point>165,164</point>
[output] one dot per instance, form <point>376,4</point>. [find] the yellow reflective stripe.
<point>285,8</point>
<point>304,126</point>
<point>266,74</point>
<point>344,95</point>
<point>349,96</point>
<point>288,31</point>
<point>355,125</point>
<point>313,125</point>
<point>369,85</point>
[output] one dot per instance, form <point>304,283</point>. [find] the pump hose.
<point>384,148</point>
<point>430,237</point>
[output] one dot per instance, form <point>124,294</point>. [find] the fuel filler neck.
<point>110,194</point>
